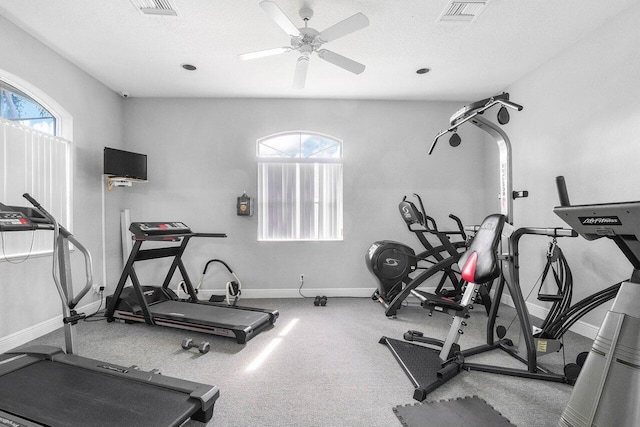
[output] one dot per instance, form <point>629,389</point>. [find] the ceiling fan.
<point>307,40</point>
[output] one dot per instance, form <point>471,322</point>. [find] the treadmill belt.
<point>209,315</point>
<point>57,394</point>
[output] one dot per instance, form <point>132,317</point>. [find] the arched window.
<point>19,107</point>
<point>32,160</point>
<point>299,187</point>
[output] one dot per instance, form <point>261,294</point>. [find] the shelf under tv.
<point>121,181</point>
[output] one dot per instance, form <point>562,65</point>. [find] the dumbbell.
<point>320,301</point>
<point>203,347</point>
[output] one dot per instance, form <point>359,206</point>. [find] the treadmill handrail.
<point>58,230</point>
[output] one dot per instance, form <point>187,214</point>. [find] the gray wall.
<point>27,294</point>
<point>581,120</point>
<point>202,155</point>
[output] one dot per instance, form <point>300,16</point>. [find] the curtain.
<point>36,163</point>
<point>299,201</point>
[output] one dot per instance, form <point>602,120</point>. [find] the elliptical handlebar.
<point>427,218</point>
<point>460,227</point>
<point>433,228</point>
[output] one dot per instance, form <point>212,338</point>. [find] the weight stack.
<point>607,392</point>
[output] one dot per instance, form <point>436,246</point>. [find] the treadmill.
<point>46,386</point>
<point>159,305</point>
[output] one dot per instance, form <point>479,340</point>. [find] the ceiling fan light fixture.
<point>306,13</point>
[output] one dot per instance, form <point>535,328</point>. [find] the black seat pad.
<point>479,264</point>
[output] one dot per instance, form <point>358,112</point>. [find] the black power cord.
<point>100,310</point>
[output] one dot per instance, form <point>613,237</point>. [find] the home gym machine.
<point>159,305</point>
<point>428,369</point>
<point>607,392</point>
<point>392,263</point>
<point>46,386</point>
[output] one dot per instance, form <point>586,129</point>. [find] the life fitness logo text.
<point>600,220</point>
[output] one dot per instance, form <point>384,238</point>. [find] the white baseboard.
<point>24,336</point>
<point>293,293</point>
<point>36,331</point>
<point>581,328</point>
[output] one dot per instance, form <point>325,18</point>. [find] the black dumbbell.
<point>203,347</point>
<point>320,301</point>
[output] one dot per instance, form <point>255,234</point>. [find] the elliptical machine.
<point>393,263</point>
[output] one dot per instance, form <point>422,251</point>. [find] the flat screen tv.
<point>125,164</point>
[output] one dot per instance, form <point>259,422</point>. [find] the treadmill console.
<point>617,221</point>
<point>603,220</point>
<point>148,229</point>
<point>15,221</point>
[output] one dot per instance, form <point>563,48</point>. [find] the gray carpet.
<point>329,370</point>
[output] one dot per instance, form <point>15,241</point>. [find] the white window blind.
<point>300,187</point>
<point>39,164</point>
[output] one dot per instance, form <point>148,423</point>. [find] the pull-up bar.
<point>474,113</point>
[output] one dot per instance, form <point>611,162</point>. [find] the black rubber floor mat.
<point>460,412</point>
<point>421,364</point>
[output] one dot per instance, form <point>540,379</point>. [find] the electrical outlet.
<point>96,288</point>
<point>302,277</point>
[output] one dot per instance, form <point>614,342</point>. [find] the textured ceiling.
<point>142,55</point>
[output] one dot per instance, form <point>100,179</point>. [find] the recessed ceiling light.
<point>189,67</point>
<point>423,70</point>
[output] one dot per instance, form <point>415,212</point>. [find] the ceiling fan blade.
<point>280,18</point>
<point>263,53</point>
<point>342,28</point>
<point>300,76</point>
<point>341,61</point>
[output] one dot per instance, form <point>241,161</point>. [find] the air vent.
<point>155,7</point>
<point>463,11</point>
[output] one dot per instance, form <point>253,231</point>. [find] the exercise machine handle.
<point>500,99</point>
<point>434,226</point>
<point>539,231</point>
<point>511,104</point>
<point>42,210</point>
<point>427,218</point>
<point>33,201</point>
<point>59,230</point>
<point>562,191</point>
<point>460,226</point>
